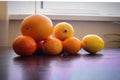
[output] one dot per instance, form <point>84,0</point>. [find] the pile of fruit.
<point>39,36</point>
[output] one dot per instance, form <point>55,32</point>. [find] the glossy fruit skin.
<point>63,30</point>
<point>92,43</point>
<point>39,48</point>
<point>38,27</point>
<point>52,46</point>
<point>72,45</point>
<point>24,45</point>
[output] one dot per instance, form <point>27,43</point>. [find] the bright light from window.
<point>65,8</point>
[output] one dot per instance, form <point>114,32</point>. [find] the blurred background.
<point>101,18</point>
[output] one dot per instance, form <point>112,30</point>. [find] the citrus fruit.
<point>37,26</point>
<point>71,45</point>
<point>63,30</point>
<point>40,44</point>
<point>52,46</point>
<point>24,45</point>
<point>92,43</point>
<point>39,48</point>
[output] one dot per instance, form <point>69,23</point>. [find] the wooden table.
<point>103,66</point>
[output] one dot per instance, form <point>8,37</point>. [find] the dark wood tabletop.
<point>103,66</point>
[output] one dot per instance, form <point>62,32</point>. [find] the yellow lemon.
<point>63,30</point>
<point>92,43</point>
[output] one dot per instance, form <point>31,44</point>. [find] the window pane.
<point>21,7</point>
<point>84,8</point>
<point>61,5</point>
<point>68,8</point>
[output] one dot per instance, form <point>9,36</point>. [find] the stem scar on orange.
<point>38,27</point>
<point>24,45</point>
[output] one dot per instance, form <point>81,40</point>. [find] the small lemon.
<point>92,43</point>
<point>63,30</point>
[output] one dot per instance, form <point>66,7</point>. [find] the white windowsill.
<point>70,17</point>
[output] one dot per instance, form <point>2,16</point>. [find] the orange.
<point>24,45</point>
<point>39,48</point>
<point>52,46</point>
<point>63,30</point>
<point>72,45</point>
<point>40,44</point>
<point>92,43</point>
<point>37,26</point>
